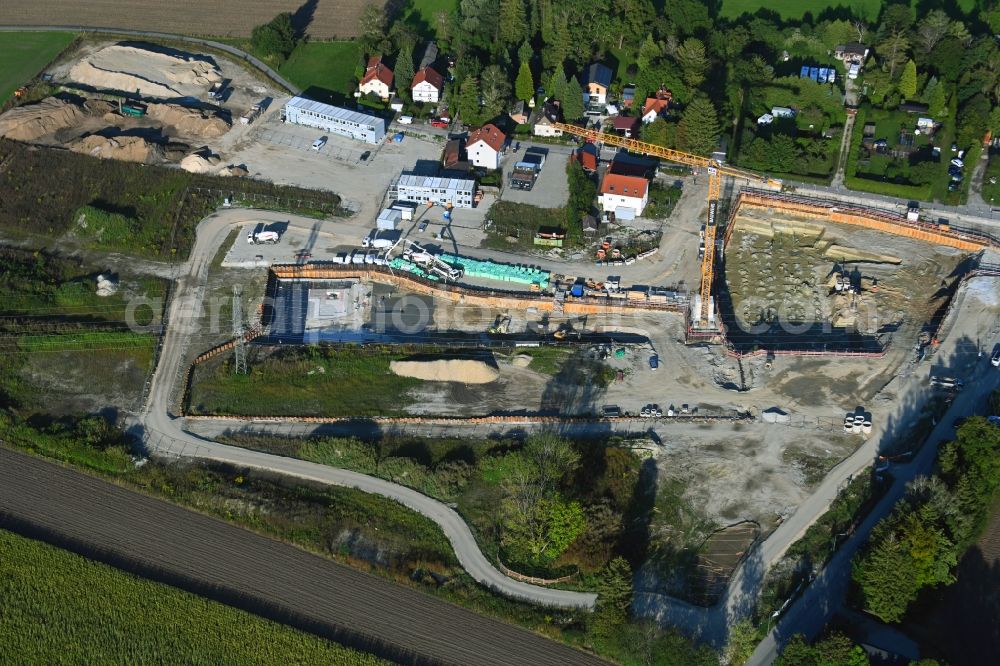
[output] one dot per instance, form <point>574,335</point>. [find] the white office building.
<point>459,192</point>
<point>359,126</point>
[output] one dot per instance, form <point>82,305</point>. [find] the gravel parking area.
<point>551,189</point>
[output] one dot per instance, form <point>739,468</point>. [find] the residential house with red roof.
<point>427,85</point>
<point>625,196</point>
<point>485,146</point>
<point>377,79</point>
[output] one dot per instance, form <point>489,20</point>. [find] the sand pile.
<point>31,121</point>
<point>200,161</point>
<point>126,148</point>
<point>521,361</point>
<point>131,68</point>
<point>235,170</point>
<point>187,122</point>
<point>452,370</point>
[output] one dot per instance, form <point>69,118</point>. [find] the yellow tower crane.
<point>702,314</point>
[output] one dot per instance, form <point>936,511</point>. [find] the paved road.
<point>213,558</point>
<point>821,599</point>
<point>164,433</point>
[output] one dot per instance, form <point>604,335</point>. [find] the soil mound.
<point>235,170</point>
<point>451,370</point>
<point>187,122</point>
<point>200,161</point>
<point>131,68</point>
<point>31,121</point>
<point>126,148</point>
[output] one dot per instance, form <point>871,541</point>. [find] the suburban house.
<point>625,196</point>
<point>377,79</point>
<point>548,115</point>
<point>854,53</point>
<point>459,192</point>
<point>595,89</point>
<point>360,126</point>
<point>656,107</point>
<point>519,112</point>
<point>485,146</point>
<point>628,97</point>
<point>627,126</point>
<point>427,85</point>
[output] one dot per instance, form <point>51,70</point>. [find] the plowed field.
<point>223,18</point>
<point>160,540</point>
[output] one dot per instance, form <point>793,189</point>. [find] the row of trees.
<point>920,543</point>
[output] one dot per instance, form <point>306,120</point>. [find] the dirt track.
<point>330,18</point>
<point>215,559</point>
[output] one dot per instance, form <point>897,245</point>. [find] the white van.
<point>405,120</point>
<point>319,143</point>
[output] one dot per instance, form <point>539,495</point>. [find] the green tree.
<point>524,86</point>
<point>649,52</point>
<point>373,29</point>
<point>886,578</point>
<point>556,88</point>
<point>495,90</point>
<point>893,50</point>
<point>743,639</point>
<point>698,129</point>
<point>661,133</point>
<point>614,596</point>
<point>572,103</point>
<point>525,53</point>
<point>691,57</point>
<point>404,70</point>
<point>834,650</point>
<point>467,101</point>
<point>275,39</point>
<point>931,30</point>
<point>513,23</point>
<point>908,80</point>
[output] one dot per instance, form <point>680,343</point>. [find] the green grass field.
<point>796,9</point>
<point>328,66</point>
<point>308,381</point>
<point>422,15</point>
<point>24,54</point>
<point>59,607</point>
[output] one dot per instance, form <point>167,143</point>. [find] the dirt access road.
<point>164,434</point>
<point>213,558</point>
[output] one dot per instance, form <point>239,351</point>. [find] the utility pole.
<point>239,350</point>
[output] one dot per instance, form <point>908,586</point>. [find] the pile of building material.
<point>127,148</point>
<point>465,371</point>
<point>234,170</point>
<point>188,122</point>
<point>31,121</point>
<point>107,284</point>
<point>149,71</point>
<point>200,161</point>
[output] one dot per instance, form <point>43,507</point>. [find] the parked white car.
<point>405,120</point>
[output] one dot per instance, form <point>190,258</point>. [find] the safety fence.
<point>531,579</point>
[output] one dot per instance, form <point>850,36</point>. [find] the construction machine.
<point>703,311</point>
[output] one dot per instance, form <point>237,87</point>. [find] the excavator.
<point>703,313</point>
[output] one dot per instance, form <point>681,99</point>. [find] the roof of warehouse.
<point>333,111</point>
<point>412,180</point>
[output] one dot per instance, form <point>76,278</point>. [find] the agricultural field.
<point>25,54</point>
<point>111,205</point>
<point>90,610</point>
<point>324,70</point>
<point>324,19</point>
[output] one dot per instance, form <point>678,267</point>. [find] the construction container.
<point>577,291</point>
<point>388,219</point>
<point>635,294</point>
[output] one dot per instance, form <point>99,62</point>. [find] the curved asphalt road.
<point>164,434</point>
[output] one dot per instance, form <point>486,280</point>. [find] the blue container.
<point>577,290</point>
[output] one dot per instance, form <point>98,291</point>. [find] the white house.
<point>547,118</point>
<point>782,112</point>
<point>485,146</point>
<point>377,79</point>
<point>625,196</point>
<point>427,86</point>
